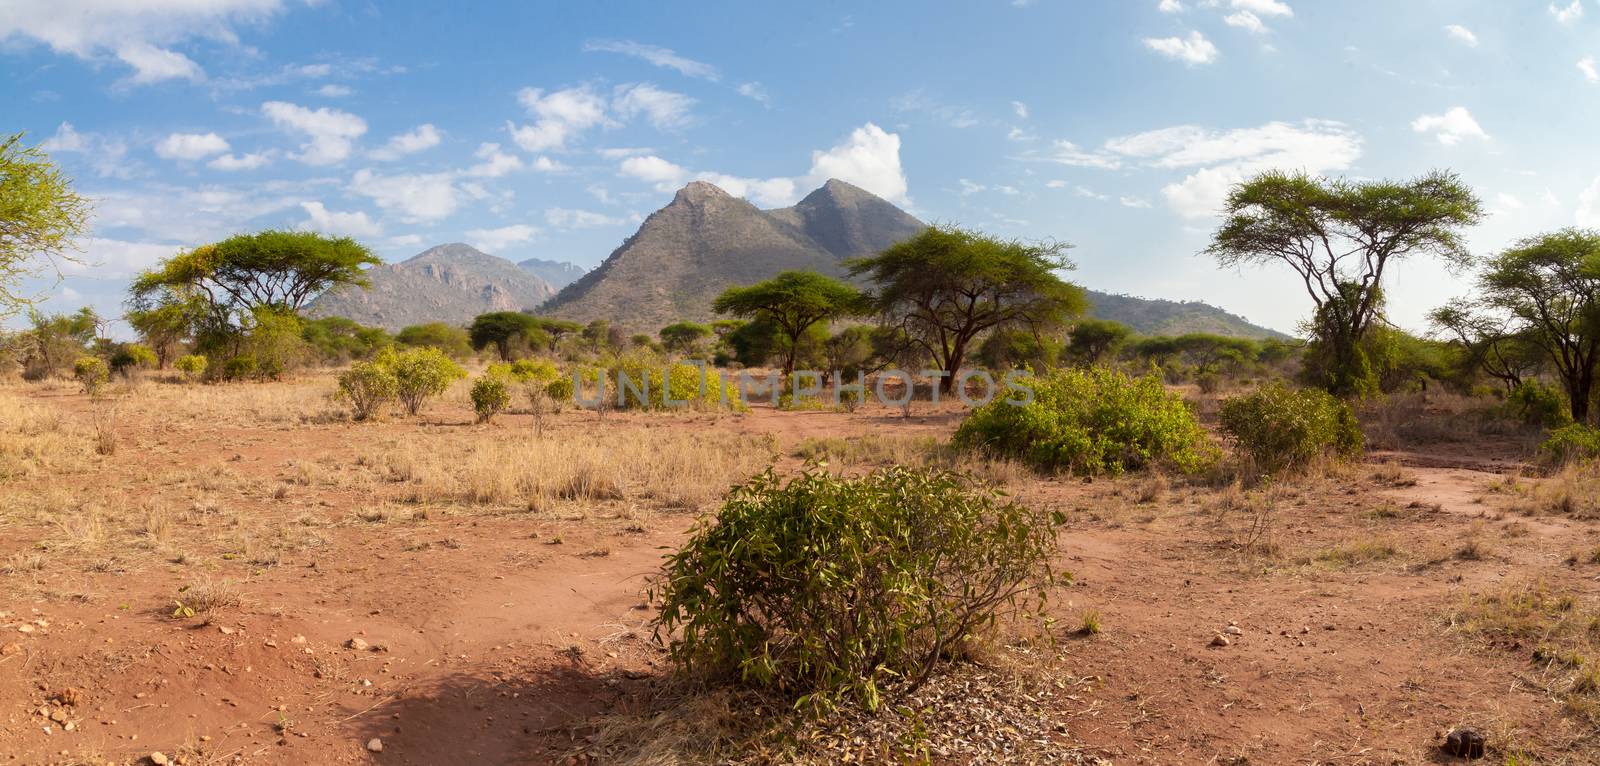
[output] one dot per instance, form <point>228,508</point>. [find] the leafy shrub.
<point>133,356</point>
<point>368,387</point>
<point>827,588</point>
<point>1090,421</point>
<point>1282,427</point>
<point>193,366</point>
<point>1208,381</point>
<point>421,373</point>
<point>1539,404</point>
<point>490,396</point>
<point>1571,443</point>
<point>239,367</point>
<point>683,383</point>
<point>454,341</point>
<point>92,372</point>
<point>559,390</point>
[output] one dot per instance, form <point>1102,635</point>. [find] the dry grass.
<point>1564,631</point>
<point>35,439</point>
<point>1431,418</point>
<point>1353,553</point>
<point>1572,491</point>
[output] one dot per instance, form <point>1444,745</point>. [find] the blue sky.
<point>550,129</point>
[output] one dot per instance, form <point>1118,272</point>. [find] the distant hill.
<point>449,283</point>
<point>557,274</point>
<point>1149,316</point>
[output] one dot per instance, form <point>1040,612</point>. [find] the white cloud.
<point>765,192</point>
<point>756,91</point>
<point>969,188</point>
<point>1134,202</point>
<point>1087,193</point>
<point>1264,7</point>
<point>491,240</point>
<point>1462,35</point>
<point>1569,14</point>
<point>1020,109</point>
<point>1019,134</point>
<point>1193,50</point>
<point>420,197</point>
<point>619,152</point>
<point>151,64</point>
<point>1587,67</point>
<point>1056,184</point>
<point>566,218</point>
<point>118,259</point>
<point>1245,20</point>
<point>495,162</point>
<point>1170,6</point>
<point>405,240</point>
<point>654,170</point>
<point>1065,152</point>
<point>559,117</point>
<point>1506,201</point>
<point>327,221</point>
<point>868,158</point>
<point>106,155</point>
<point>330,133</point>
<point>424,136</point>
<point>1588,213</point>
<point>232,162</point>
<point>654,54</point>
<point>191,146</point>
<point>547,165</point>
<point>334,91</point>
<point>1451,127</point>
<point>663,108</point>
<point>140,33</point>
<point>193,214</point>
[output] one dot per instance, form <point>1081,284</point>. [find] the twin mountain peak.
<point>679,260</point>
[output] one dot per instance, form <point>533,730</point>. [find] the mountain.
<point>1149,316</point>
<point>558,274</point>
<point>449,283</point>
<point>848,221</point>
<point>687,253</point>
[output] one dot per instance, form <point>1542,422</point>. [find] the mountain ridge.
<point>452,283</point>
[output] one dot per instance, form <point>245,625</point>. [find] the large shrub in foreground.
<point>420,374</point>
<point>1571,443</point>
<point>1090,421</point>
<point>1282,427</point>
<point>828,588</point>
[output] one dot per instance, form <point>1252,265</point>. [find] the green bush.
<point>193,366</point>
<point>419,374</point>
<point>490,396</point>
<point>559,390</point>
<point>92,372</point>
<point>683,381</point>
<point>239,367</point>
<point>133,356</point>
<point>1282,427</point>
<point>1090,421</point>
<point>1570,443</point>
<point>1539,404</point>
<point>367,387</point>
<point>829,588</point>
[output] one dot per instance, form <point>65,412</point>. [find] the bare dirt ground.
<point>470,593</point>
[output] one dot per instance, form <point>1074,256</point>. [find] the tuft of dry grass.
<point>1564,630</point>
<point>1353,553</point>
<point>208,596</point>
<point>1572,491</point>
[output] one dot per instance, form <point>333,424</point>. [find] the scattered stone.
<point>357,644</point>
<point>375,745</point>
<point>1464,743</point>
<point>69,697</point>
<point>1233,630</point>
<point>226,631</point>
<point>10,649</point>
<point>1220,640</point>
<point>159,759</point>
<point>298,640</point>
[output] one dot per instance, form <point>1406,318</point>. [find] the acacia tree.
<point>1092,341</point>
<point>1488,342</point>
<point>503,328</point>
<point>684,337</point>
<point>792,302</point>
<point>948,286</point>
<point>1339,237</point>
<point>40,217</point>
<point>1549,286</point>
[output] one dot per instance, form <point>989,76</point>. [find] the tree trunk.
<point>953,367</point>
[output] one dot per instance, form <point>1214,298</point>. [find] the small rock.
<point>1464,743</point>
<point>1233,630</point>
<point>357,644</point>
<point>375,745</point>
<point>10,649</point>
<point>226,631</point>
<point>1220,640</point>
<point>298,640</point>
<point>159,759</point>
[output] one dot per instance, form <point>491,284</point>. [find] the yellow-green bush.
<point>1281,427</point>
<point>92,372</point>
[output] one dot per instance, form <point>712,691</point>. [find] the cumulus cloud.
<point>1586,65</point>
<point>1264,7</point>
<point>1451,127</point>
<point>656,55</point>
<point>106,155</point>
<point>1193,50</point>
<point>330,133</point>
<point>662,108</point>
<point>567,218</point>
<point>191,146</point>
<point>424,136</point>
<point>491,240</point>
<point>139,33</point>
<point>559,117</point>
<point>1245,20</point>
<point>1020,109</point>
<point>334,91</point>
<point>1462,35</point>
<point>233,162</point>
<point>495,163</point>
<point>653,169</point>
<point>321,219</point>
<point>118,259</point>
<point>1568,14</point>
<point>415,197</point>
<point>869,158</point>
<point>1170,6</point>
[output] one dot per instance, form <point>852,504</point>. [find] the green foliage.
<point>421,373</point>
<point>831,589</point>
<point>52,342</point>
<point>1090,421</point>
<point>241,367</point>
<point>947,286</point>
<point>193,366</point>
<point>1282,427</point>
<point>1094,341</point>
<point>508,332</point>
<point>453,341</point>
<point>1571,443</point>
<point>273,338</point>
<point>368,387</point>
<point>684,337</point>
<point>132,356</point>
<point>683,383</point>
<point>40,216</point>
<point>1018,349</point>
<point>92,372</point>
<point>559,390</point>
<point>490,396</point>
<point>793,302</point>
<point>336,340</point>
<point>1538,403</point>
